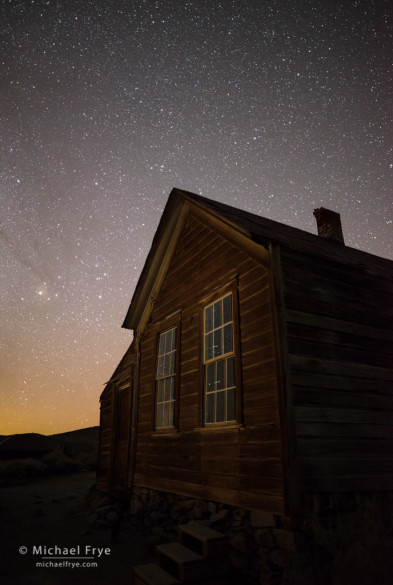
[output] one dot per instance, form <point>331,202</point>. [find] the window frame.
<point>230,288</point>
<point>173,324</point>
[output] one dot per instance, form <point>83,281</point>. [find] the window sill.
<point>220,427</point>
<point>165,431</point>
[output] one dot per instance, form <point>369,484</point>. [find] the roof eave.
<point>158,251</point>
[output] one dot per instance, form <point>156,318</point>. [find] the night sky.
<point>274,107</point>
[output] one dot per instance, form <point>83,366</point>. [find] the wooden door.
<point>122,435</point>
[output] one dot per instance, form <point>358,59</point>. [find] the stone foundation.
<point>342,540</point>
<point>262,548</point>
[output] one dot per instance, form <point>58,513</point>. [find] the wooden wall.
<point>239,465</point>
<point>115,425</point>
<point>105,448</point>
<point>339,322</point>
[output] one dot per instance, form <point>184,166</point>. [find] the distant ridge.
<point>67,434</point>
<point>85,434</point>
<point>24,445</point>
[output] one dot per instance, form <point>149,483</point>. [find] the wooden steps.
<point>197,557</point>
<point>179,561</point>
<point>152,574</point>
<point>202,539</point>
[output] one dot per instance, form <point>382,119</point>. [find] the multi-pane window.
<point>219,362</point>
<point>165,378</point>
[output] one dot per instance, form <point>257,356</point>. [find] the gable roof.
<point>260,230</point>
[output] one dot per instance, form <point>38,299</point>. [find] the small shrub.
<point>19,470</point>
<point>57,463</point>
<point>88,461</point>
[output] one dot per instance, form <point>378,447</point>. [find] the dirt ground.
<point>51,512</point>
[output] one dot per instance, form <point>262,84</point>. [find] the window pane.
<point>231,411</point>
<point>171,386</point>
<point>165,421</point>
<point>161,391</point>
<point>161,344</point>
<point>209,319</point>
<point>220,415</point>
<point>210,377</point>
<point>210,401</point>
<point>168,341</point>
<point>217,314</point>
<point>221,375</point>
<point>218,343</point>
<point>227,309</point>
<point>228,338</point>
<point>160,367</point>
<point>170,414</point>
<point>167,393</point>
<point>174,335</point>
<point>167,363</point>
<point>172,363</point>
<point>219,371</point>
<point>160,415</point>
<point>165,374</point>
<point>208,347</point>
<point>230,372</point>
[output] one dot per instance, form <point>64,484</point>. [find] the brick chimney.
<point>329,224</point>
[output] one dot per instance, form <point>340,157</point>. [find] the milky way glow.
<point>274,107</point>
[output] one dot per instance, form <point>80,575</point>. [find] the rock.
<point>92,518</point>
<point>262,519</point>
<point>158,532</point>
<point>186,505</point>
<point>111,517</point>
<point>277,557</point>
<point>198,511</point>
<point>219,516</point>
<point>239,517</point>
<point>237,562</point>
<point>263,555</point>
<point>287,540</point>
<point>102,510</point>
<point>265,538</point>
<point>238,542</point>
<point>135,506</point>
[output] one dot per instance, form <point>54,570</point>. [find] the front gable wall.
<point>240,464</point>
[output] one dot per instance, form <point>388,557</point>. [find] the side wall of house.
<point>339,321</point>
<point>116,425</point>
<point>105,446</point>
<point>238,464</point>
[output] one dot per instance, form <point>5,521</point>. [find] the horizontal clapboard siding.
<point>241,465</point>
<point>339,332</point>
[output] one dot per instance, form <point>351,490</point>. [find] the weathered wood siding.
<point>339,321</point>
<point>242,465</point>
<point>122,433</point>
<point>115,425</point>
<point>105,449</point>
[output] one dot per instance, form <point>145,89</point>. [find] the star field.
<point>274,107</point>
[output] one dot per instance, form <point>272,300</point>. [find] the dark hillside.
<point>30,455</point>
<point>79,441</point>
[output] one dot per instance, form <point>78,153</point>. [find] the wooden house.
<point>261,367</point>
